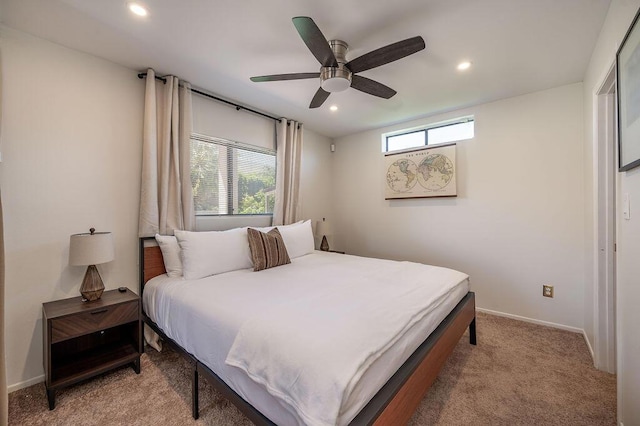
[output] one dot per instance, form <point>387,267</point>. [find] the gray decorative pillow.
<point>267,249</point>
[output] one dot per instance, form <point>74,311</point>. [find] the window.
<point>230,178</point>
<point>439,133</point>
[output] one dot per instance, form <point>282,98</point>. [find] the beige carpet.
<point>519,374</point>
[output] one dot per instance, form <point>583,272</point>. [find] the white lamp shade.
<point>91,249</point>
<point>323,228</point>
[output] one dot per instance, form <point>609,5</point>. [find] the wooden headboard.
<point>151,261</point>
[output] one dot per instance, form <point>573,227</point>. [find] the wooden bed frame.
<point>394,404</point>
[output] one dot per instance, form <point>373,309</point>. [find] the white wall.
<point>71,152</point>
<point>517,221</point>
<point>217,119</point>
<point>316,180</point>
<point>71,143</point>
<point>621,13</point>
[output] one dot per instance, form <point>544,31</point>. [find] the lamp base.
<point>92,286</point>
<point>324,245</point>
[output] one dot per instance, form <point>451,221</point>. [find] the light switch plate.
<point>626,208</point>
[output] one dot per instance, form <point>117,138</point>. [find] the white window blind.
<point>231,178</point>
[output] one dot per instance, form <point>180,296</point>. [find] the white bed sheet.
<point>204,316</point>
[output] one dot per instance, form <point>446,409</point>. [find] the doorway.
<point>606,174</point>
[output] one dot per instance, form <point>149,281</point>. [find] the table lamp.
<point>90,250</point>
<point>324,229</point>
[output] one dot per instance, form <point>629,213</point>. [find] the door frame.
<point>605,187</point>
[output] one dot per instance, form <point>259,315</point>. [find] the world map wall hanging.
<point>421,173</point>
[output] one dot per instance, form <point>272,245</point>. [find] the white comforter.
<point>210,316</point>
<point>310,350</point>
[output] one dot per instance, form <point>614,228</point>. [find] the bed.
<point>250,356</point>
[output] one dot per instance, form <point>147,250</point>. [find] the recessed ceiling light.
<point>464,65</point>
<point>333,107</point>
<point>137,9</point>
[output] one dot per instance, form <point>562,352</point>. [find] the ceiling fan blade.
<point>386,54</point>
<point>371,87</point>
<point>315,41</point>
<point>279,77</point>
<point>319,98</point>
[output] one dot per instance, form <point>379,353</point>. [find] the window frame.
<point>425,131</point>
<point>231,169</point>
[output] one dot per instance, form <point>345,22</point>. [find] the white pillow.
<point>213,252</point>
<point>298,238</point>
<point>170,254</point>
<point>264,229</point>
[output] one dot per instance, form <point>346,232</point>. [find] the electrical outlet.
<point>547,290</point>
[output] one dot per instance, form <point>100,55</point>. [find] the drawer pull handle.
<point>101,311</point>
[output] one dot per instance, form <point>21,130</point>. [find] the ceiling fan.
<point>336,74</point>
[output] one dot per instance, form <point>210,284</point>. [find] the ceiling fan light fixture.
<point>335,79</point>
<point>336,84</point>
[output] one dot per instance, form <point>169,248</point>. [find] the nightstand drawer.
<point>91,321</point>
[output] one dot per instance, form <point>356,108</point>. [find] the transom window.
<point>230,178</point>
<point>435,134</point>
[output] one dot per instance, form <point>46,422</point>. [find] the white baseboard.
<point>531,320</point>
<point>586,339</point>
<point>21,385</point>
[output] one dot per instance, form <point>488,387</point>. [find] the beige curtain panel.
<point>166,199</point>
<point>289,158</point>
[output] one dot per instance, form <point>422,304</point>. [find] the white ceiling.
<point>516,47</point>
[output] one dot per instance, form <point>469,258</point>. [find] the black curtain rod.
<point>238,107</point>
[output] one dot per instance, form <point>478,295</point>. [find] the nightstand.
<point>84,339</point>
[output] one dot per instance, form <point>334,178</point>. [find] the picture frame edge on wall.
<point>623,94</point>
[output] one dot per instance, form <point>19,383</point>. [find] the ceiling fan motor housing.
<point>336,79</point>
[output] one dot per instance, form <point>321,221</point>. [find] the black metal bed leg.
<point>194,393</point>
<point>472,332</point>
